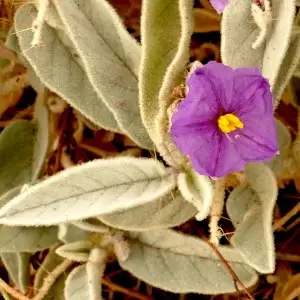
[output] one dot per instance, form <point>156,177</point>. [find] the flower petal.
<point>257,141</point>
<point>219,79</point>
<point>251,94</point>
<point>210,151</point>
<point>219,5</point>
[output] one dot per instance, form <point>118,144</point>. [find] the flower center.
<point>229,122</point>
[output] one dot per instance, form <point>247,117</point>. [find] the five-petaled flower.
<point>219,5</point>
<point>226,119</point>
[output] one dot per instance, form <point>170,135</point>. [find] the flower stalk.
<point>216,211</point>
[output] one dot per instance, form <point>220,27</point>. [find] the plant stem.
<point>7,288</point>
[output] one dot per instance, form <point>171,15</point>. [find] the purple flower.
<point>219,5</point>
<point>225,120</point>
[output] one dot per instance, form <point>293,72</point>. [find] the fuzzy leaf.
<point>77,251</point>
<point>11,41</point>
<point>17,265</point>
<point>278,40</point>
<point>182,264</point>
<point>56,64</point>
<point>57,290</point>
<point>79,286</point>
<point>97,187</point>
<point>26,239</point>
<point>251,211</point>
<point>6,197</point>
<point>42,136</point>
<point>288,65</point>
<point>84,282</point>
<point>284,140</point>
<point>91,225</point>
<point>165,45</point>
<point>88,190</point>
<point>169,211</point>
<point>16,151</point>
<point>239,31</point>
<point>69,233</point>
<point>51,261</point>
<point>111,59</point>
<point>197,190</point>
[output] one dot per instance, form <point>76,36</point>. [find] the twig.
<point>278,224</point>
<point>227,266</point>
<point>288,257</point>
<point>12,291</point>
<point>125,291</point>
<point>51,278</point>
<point>66,115</point>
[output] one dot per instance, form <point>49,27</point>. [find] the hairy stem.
<point>216,211</point>
<point>7,288</point>
<point>51,279</point>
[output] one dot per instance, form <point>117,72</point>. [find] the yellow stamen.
<point>229,122</point>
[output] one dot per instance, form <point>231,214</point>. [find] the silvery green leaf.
<point>239,31</point>
<point>11,41</point>
<point>51,261</point>
<point>16,149</point>
<point>79,285</point>
<point>26,239</point>
<point>88,190</point>
<point>84,282</point>
<point>57,290</point>
<point>69,233</point>
<point>283,135</point>
<point>17,265</point>
<point>165,37</point>
<point>91,225</point>
<point>289,64</point>
<point>183,264</point>
<point>111,60</point>
<point>169,211</point>
<point>278,40</point>
<point>6,197</point>
<point>41,115</point>
<point>77,251</point>
<point>251,211</point>
<point>284,140</point>
<point>57,67</point>
<point>198,190</point>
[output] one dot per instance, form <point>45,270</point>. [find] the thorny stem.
<point>51,278</point>
<point>227,266</point>
<point>216,211</point>
<point>12,291</point>
<point>118,288</point>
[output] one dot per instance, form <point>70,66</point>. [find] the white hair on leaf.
<point>262,17</point>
